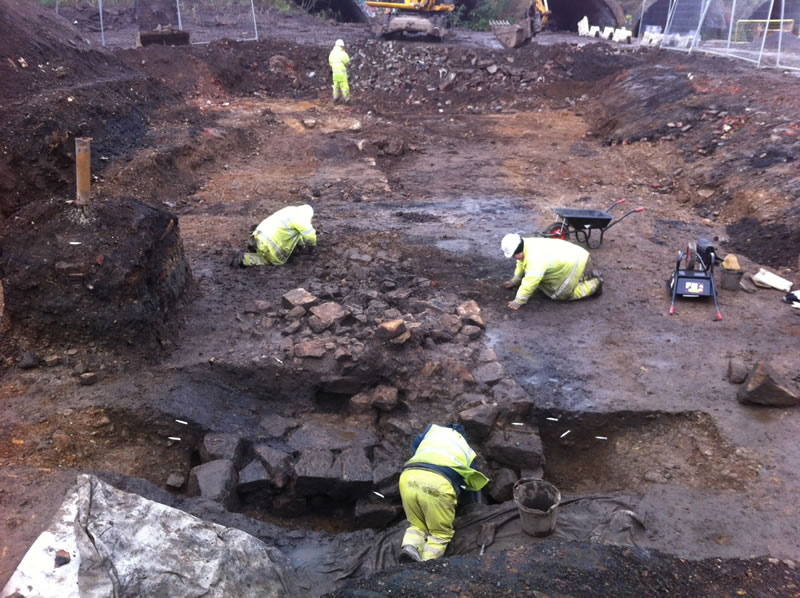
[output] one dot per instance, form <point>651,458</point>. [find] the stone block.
<point>502,484</point>
<point>253,477</point>
<point>314,472</point>
<point>375,512</point>
<point>518,447</point>
<point>215,480</point>
<point>355,474</point>
<point>275,462</point>
<point>218,445</point>
<point>479,421</point>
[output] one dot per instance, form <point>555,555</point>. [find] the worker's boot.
<point>410,553</point>
<point>599,291</point>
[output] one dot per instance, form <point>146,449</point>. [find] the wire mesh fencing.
<point>129,23</point>
<point>762,32</point>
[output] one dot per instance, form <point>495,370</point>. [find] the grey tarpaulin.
<point>122,545</point>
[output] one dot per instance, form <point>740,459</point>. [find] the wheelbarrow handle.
<point>616,203</point>
<point>639,210</point>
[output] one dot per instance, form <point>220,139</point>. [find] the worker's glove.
<point>514,305</point>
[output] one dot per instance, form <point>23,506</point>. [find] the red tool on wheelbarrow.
<point>581,223</point>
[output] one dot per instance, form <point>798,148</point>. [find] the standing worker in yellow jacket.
<point>430,485</point>
<point>555,266</point>
<point>274,240</point>
<point>338,59</point>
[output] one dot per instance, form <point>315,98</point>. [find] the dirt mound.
<point>116,274</point>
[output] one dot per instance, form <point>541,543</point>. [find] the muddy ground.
<point>445,148</point>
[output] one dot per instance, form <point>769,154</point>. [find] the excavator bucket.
<point>512,36</point>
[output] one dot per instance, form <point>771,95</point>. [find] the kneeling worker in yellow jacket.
<point>276,237</point>
<point>430,485</point>
<point>555,266</point>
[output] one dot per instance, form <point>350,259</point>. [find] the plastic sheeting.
<point>122,545</point>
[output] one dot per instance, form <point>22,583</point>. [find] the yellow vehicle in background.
<point>532,22</point>
<point>426,17</point>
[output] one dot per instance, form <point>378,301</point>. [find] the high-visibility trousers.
<point>577,285</point>
<point>429,502</point>
<point>340,85</point>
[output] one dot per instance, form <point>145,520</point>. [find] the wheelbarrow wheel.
<point>557,230</point>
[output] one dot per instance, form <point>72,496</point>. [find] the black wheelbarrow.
<point>581,223</point>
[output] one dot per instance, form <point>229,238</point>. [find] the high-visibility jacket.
<point>279,234</point>
<point>552,265</point>
<point>447,448</point>
<point>338,59</point>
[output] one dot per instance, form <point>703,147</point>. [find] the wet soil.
<point>219,136</point>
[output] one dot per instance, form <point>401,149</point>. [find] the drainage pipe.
<point>83,169</point>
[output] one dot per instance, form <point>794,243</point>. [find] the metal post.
<point>102,29</point>
<point>255,25</point>
<point>699,26</point>
<point>766,31</point>
<point>780,33</point>
<point>178,7</point>
<point>730,28</point>
<point>83,170</point>
<point>641,21</point>
<point>670,14</point>
<point>56,6</point>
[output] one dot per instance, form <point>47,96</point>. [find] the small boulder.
<point>299,297</point>
<point>502,485</point>
<point>87,379</point>
<point>489,373</point>
<point>737,371</point>
<point>28,360</point>
<point>215,480</point>
<point>390,329</point>
<point>313,349</point>
<point>176,480</point>
<point>329,313</point>
<point>764,386</point>
<point>470,313</point>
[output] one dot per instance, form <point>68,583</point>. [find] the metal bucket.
<point>731,278</point>
<point>537,502</point>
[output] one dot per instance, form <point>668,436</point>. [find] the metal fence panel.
<point>119,22</point>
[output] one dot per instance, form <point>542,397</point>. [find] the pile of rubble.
<point>387,354</point>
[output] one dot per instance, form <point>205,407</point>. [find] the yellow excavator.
<point>426,17</point>
<point>532,22</point>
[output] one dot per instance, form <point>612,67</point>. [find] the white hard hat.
<point>510,243</point>
<point>340,43</point>
<point>307,211</point>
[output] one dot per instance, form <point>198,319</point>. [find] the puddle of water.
<point>454,245</point>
